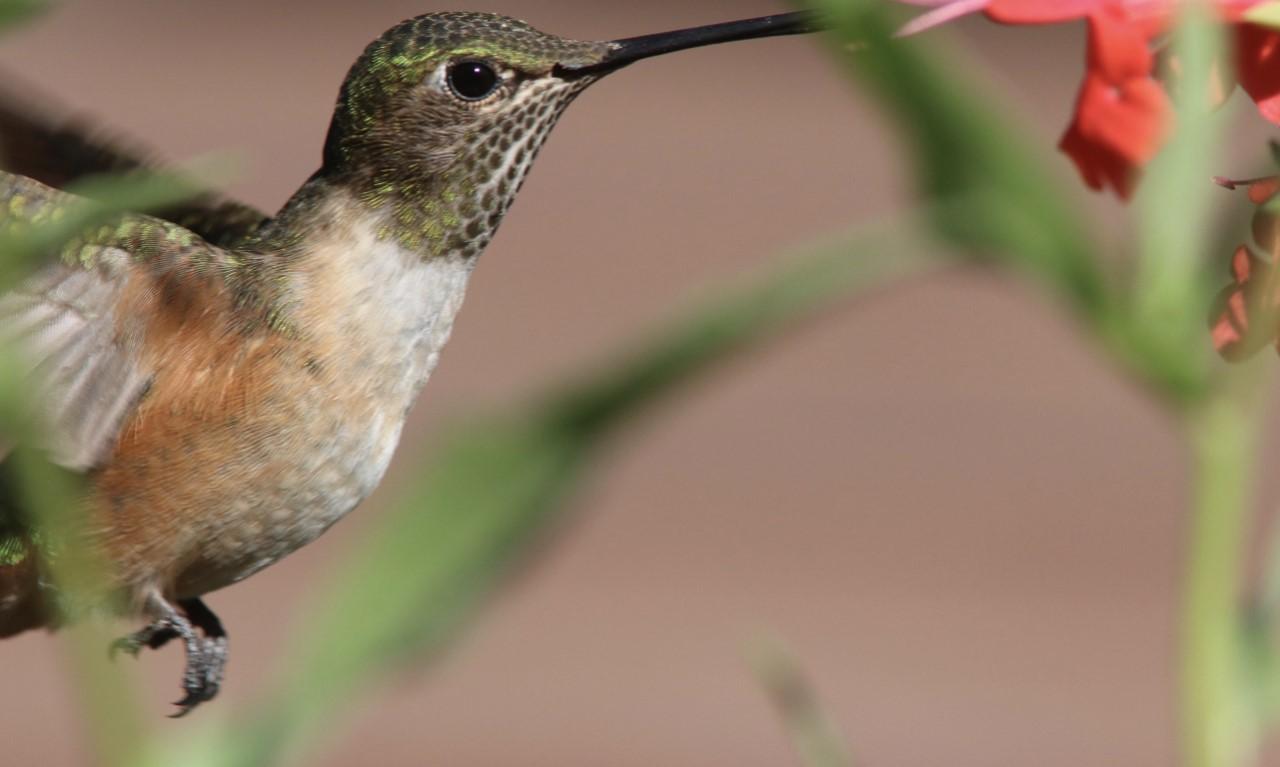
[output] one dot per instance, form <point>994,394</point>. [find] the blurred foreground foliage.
<point>499,483</point>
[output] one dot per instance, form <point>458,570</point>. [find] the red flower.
<point>1123,114</point>
<point>1244,315</point>
<point>1055,11</point>
<point>1258,67</point>
<point>1242,320</point>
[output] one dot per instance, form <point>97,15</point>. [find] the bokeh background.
<point>962,523</point>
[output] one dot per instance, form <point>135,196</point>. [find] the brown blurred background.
<point>964,525</point>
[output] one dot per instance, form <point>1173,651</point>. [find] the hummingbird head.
<point>440,118</point>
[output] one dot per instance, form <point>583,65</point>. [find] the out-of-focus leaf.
<point>15,11</point>
<point>964,143</point>
<point>497,487</point>
<point>964,146</point>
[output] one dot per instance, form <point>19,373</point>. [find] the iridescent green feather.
<point>26,205</point>
<point>13,533</point>
<point>13,548</point>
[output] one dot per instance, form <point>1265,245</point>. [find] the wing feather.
<point>85,362</point>
<point>38,141</point>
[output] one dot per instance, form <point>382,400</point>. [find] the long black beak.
<point>631,49</point>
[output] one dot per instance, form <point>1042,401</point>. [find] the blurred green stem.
<point>1216,724</point>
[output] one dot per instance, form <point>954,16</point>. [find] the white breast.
<point>384,314</point>
<point>391,315</point>
<point>401,307</point>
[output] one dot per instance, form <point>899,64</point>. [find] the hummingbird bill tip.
<point>632,49</point>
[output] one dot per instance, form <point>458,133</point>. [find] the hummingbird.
<point>231,384</point>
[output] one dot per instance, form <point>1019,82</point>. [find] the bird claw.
<point>206,652</point>
<point>202,679</point>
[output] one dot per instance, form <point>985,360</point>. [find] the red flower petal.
<point>1131,120</point>
<point>1099,166</point>
<point>1040,11</point>
<point>1151,17</point>
<point>1263,189</point>
<point>1258,65</point>
<point>1118,49</point>
<point>1122,113</point>
<point>1244,314</point>
<point>1226,338</point>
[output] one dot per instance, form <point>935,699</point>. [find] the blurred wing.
<point>62,325</point>
<point>84,359</point>
<point>57,151</point>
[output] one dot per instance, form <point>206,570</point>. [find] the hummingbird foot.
<point>203,637</point>
<point>203,675</point>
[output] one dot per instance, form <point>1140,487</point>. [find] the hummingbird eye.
<point>472,80</point>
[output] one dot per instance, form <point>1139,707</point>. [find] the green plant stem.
<point>1217,728</point>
